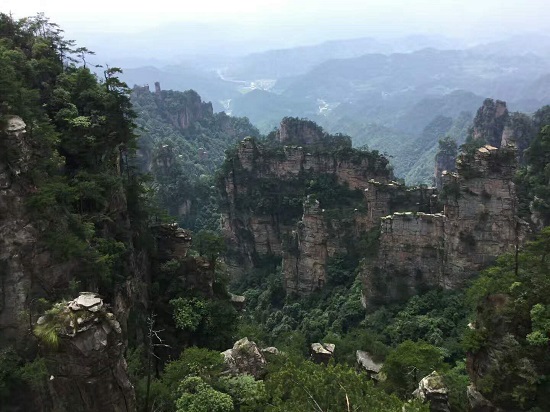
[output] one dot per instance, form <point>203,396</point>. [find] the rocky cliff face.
<point>29,270</point>
<point>193,110</point>
<point>322,235</point>
<point>265,184</point>
<point>307,251</point>
<point>497,127</point>
<point>490,121</point>
<point>190,273</point>
<point>478,223</point>
<point>86,364</point>
<point>26,268</point>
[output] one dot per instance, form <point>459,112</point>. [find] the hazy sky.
<point>452,16</point>
<point>242,26</point>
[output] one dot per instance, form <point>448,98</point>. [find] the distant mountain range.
<point>367,87</point>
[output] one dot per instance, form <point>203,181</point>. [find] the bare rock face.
<point>319,237</point>
<point>173,241</point>
<point>238,301</point>
<point>192,273</point>
<point>293,131</point>
<point>479,222</point>
<point>490,121</point>
<point>478,403</point>
<point>194,109</point>
<point>433,390</point>
<point>87,366</point>
<point>245,358</point>
<point>265,186</point>
<point>322,352</point>
<point>304,262</point>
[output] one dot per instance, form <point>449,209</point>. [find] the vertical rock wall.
<point>479,222</point>
<point>306,253</point>
<point>251,233</point>
<point>26,268</point>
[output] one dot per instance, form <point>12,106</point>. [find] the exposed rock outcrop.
<point>497,127</point>
<point>322,352</point>
<point>478,403</point>
<point>432,389</point>
<point>173,242</point>
<point>245,358</point>
<point>193,110</point>
<point>87,366</point>
<point>264,189</point>
<point>304,260</point>
<point>479,223</point>
<point>187,272</point>
<point>27,269</point>
<point>490,121</point>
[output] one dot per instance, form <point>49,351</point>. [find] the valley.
<point>354,225</point>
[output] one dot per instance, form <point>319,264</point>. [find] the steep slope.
<point>264,184</point>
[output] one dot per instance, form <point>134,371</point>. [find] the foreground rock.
<point>245,358</point>
<point>433,390</point>
<point>85,357</point>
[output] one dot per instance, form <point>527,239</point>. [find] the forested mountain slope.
<point>181,143</point>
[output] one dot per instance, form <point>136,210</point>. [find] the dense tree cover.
<point>512,326</point>
<point>86,199</point>
<point>293,384</point>
<point>82,127</point>
<point>95,210</point>
<point>420,335</point>
<point>533,180</point>
<point>182,143</point>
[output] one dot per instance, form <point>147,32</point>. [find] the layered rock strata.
<point>319,237</point>
<point>479,222</point>
<point>265,184</point>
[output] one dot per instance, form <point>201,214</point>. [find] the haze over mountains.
<point>380,71</point>
<point>382,92</point>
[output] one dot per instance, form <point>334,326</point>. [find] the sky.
<point>254,25</point>
<point>453,16</point>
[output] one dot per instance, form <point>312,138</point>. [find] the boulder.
<point>322,352</point>
<point>365,362</point>
<point>245,358</point>
<point>272,350</point>
<point>239,302</point>
<point>478,403</point>
<point>432,389</point>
